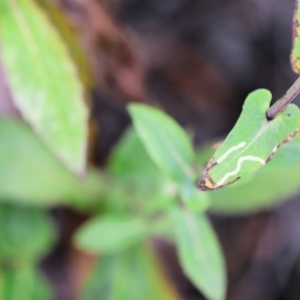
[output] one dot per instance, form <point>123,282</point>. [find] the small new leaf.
<point>251,143</point>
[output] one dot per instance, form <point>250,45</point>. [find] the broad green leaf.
<point>251,143</point>
<point>30,174</point>
<point>200,253</point>
<point>25,233</point>
<point>109,233</point>
<point>71,37</point>
<point>295,53</point>
<point>133,274</point>
<point>43,80</point>
<point>24,283</point>
<point>265,188</point>
<point>165,141</point>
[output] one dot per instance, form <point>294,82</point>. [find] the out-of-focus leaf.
<point>265,188</point>
<point>162,226</point>
<point>295,53</point>
<point>25,233</point>
<point>133,274</point>
<point>24,283</point>
<point>29,173</point>
<point>43,80</point>
<point>137,180</point>
<point>70,36</point>
<point>127,196</point>
<point>107,234</point>
<point>129,160</point>
<point>200,253</point>
<point>198,201</point>
<point>163,198</point>
<point>165,141</point>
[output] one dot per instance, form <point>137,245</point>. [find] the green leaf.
<point>30,174</point>
<point>107,234</point>
<point>162,226</point>
<point>127,196</point>
<point>43,80</point>
<point>130,160</point>
<point>24,283</point>
<point>133,274</point>
<point>71,38</point>
<point>25,233</point>
<point>163,198</point>
<point>198,201</point>
<point>165,141</point>
<point>295,53</point>
<point>251,143</point>
<point>265,188</point>
<point>136,179</point>
<point>200,253</point>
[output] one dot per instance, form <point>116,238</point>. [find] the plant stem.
<point>282,103</point>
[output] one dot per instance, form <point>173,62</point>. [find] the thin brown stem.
<point>282,103</point>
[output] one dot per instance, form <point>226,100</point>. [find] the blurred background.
<point>197,60</point>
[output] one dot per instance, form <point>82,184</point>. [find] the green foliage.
<point>148,188</point>
<point>135,177</point>
<point>109,234</point>
<point>24,283</point>
<point>133,274</point>
<point>251,143</point>
<point>253,193</point>
<point>169,148</point>
<point>26,234</point>
<point>70,38</point>
<point>43,80</point>
<point>129,161</point>
<point>200,253</point>
<point>263,137</point>
<point>39,177</point>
